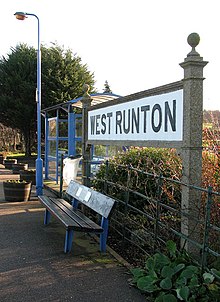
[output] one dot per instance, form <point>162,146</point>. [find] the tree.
<point>63,76</point>
<point>107,88</point>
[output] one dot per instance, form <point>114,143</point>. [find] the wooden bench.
<point>73,219</point>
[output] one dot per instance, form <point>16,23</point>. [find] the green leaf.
<point>166,283</point>
<point>137,273</point>
<point>202,290</point>
<point>189,271</point>
<point>193,268</point>
<point>160,261</point>
<point>214,290</point>
<point>147,284</point>
<point>215,272</point>
<point>208,278</point>
<point>153,274</point>
<point>194,281</point>
<point>192,299</point>
<point>171,247</point>
<point>149,265</point>
<point>159,299</point>
<point>181,281</point>
<point>178,267</point>
<point>183,293</point>
<point>167,271</point>
<point>169,298</point>
<point>213,287</point>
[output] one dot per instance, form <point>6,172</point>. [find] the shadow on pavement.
<point>35,268</point>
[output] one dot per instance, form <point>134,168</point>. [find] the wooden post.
<point>86,148</point>
<point>191,151</point>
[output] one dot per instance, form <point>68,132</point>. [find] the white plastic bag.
<point>70,168</point>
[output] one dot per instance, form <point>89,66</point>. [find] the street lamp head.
<point>20,15</point>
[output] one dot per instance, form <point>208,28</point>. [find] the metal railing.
<point>149,212</point>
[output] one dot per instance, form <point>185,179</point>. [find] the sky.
<point>133,44</point>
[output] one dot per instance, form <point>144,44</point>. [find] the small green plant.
<point>16,181</point>
<point>30,171</point>
<point>10,159</point>
<point>172,276</point>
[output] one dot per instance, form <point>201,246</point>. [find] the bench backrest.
<point>96,201</point>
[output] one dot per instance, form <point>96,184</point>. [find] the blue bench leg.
<point>47,217</point>
<point>75,203</point>
<point>104,235</point>
<point>68,241</point>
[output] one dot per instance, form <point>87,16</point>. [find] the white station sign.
<point>157,118</point>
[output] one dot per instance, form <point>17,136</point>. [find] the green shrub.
<point>172,276</point>
<point>168,163</point>
<point>150,160</point>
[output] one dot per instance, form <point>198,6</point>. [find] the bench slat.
<point>69,217</point>
<point>57,212</point>
<point>82,220</point>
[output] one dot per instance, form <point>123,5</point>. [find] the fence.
<point>149,212</point>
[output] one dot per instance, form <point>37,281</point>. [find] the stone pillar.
<point>191,151</point>
<point>86,148</point>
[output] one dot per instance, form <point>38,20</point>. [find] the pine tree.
<point>107,88</point>
<point>63,77</point>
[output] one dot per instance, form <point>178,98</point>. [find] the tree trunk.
<point>27,142</point>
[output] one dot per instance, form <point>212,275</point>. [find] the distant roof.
<point>97,98</point>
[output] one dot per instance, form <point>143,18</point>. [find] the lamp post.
<point>39,161</point>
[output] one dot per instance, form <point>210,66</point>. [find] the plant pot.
<point>9,162</point>
<point>28,175</point>
<point>2,158</point>
<point>17,190</point>
<point>17,167</point>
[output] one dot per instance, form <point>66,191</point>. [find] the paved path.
<point>33,266</point>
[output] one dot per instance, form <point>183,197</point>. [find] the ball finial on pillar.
<point>86,88</point>
<point>193,40</point>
